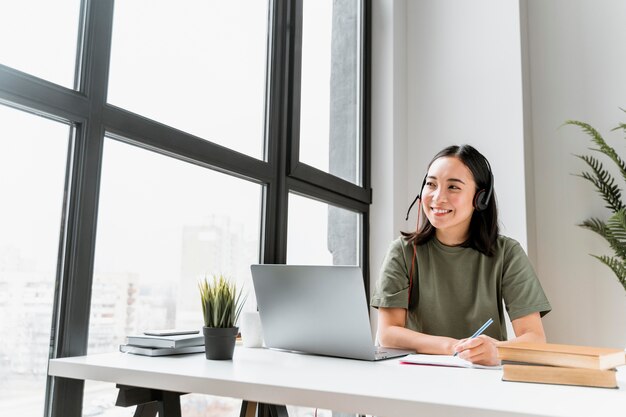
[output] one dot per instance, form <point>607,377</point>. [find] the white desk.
<point>385,388</point>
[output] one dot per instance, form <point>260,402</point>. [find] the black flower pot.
<point>219,343</point>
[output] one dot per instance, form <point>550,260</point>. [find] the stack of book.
<point>549,363</point>
<point>164,344</point>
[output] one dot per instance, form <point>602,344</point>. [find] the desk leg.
<point>147,410</point>
<point>271,410</point>
<point>248,409</point>
<point>278,410</point>
<point>149,402</point>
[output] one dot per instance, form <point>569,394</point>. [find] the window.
<point>321,234</point>
<point>330,115</point>
<point>160,230</point>
<point>49,52</point>
<point>33,155</point>
<point>200,137</point>
<point>205,74</point>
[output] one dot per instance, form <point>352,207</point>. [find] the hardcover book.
<point>152,351</point>
<point>176,341</point>
<point>560,375</point>
<point>562,355</point>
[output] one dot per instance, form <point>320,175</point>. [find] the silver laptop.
<point>316,309</point>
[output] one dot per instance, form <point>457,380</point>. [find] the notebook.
<point>320,310</point>
<point>443,360</point>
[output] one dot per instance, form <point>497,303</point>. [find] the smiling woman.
<point>447,199</point>
<point>458,178</point>
<point>442,281</point>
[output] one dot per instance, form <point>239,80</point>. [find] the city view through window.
<point>163,222</point>
<point>32,175</point>
<point>161,229</point>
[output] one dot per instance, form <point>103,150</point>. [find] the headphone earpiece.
<point>482,197</point>
<point>479,201</point>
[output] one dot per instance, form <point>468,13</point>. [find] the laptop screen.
<point>314,309</point>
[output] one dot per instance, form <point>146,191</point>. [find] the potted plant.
<point>221,306</point>
<point>612,229</point>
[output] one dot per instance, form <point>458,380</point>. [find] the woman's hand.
<point>481,350</point>
<point>392,333</point>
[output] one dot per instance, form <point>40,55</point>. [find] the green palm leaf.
<point>603,147</point>
<point>616,232</point>
<point>613,230</point>
<point>617,265</point>
<point>603,181</point>
<point>595,225</point>
<point>619,126</point>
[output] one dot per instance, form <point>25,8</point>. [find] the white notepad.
<point>443,360</point>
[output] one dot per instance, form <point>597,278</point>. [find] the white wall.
<point>465,86</point>
<point>389,144</point>
<point>461,81</point>
<point>577,70</point>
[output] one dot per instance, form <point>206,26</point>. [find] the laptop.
<point>319,310</point>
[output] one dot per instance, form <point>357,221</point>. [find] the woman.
<point>443,281</point>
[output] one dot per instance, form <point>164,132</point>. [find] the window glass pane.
<point>33,155</point>
<point>330,115</point>
<point>197,65</point>
<point>39,38</point>
<point>164,224</point>
<point>321,234</point>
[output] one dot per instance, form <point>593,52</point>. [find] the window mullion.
<point>276,193</point>
<point>73,304</point>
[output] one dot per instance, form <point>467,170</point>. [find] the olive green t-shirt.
<point>457,289</point>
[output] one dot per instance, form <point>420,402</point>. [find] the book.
<point>442,360</point>
<point>562,355</point>
<point>544,374</point>
<point>152,351</point>
<point>176,341</point>
<point>170,332</point>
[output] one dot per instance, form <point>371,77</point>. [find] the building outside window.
<point>147,144</point>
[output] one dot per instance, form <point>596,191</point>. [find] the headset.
<point>480,203</point>
<point>481,198</point>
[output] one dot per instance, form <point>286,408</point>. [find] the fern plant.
<point>221,302</point>
<point>613,230</point>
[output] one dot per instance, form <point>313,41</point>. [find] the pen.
<point>479,331</point>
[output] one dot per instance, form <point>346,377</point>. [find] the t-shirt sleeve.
<point>392,287</point>
<point>521,289</point>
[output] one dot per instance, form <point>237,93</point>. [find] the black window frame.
<point>85,108</point>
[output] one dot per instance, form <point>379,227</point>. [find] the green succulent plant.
<point>221,302</point>
<point>613,229</point>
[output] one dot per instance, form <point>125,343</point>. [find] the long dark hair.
<point>483,230</point>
